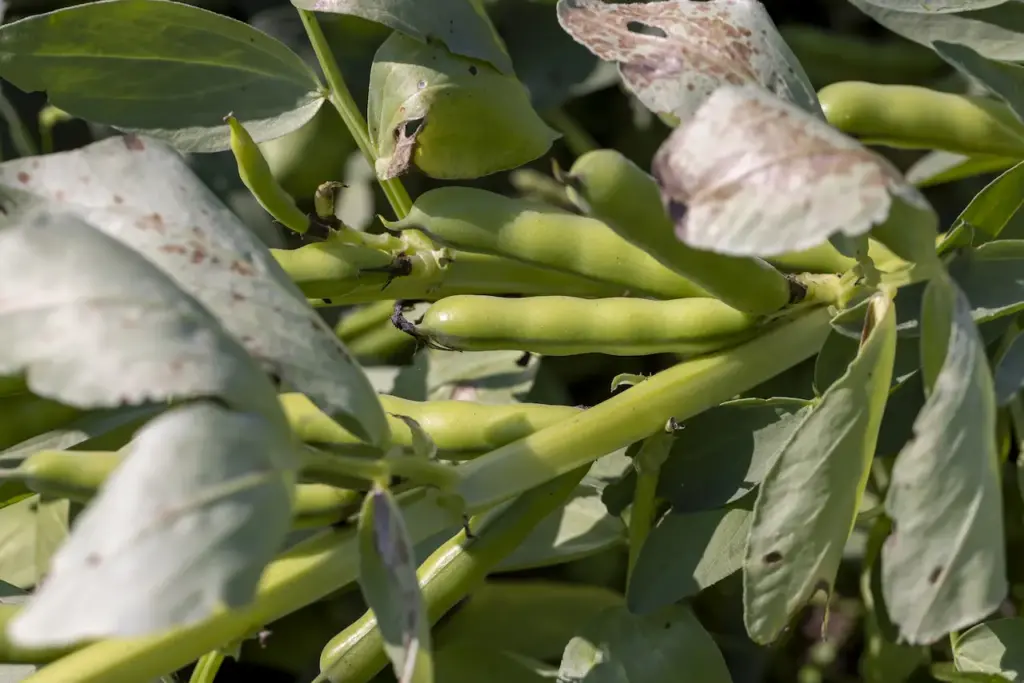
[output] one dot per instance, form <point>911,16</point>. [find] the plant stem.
<point>649,460</point>
<point>681,392</point>
<point>308,572</point>
<point>341,98</point>
<point>207,667</point>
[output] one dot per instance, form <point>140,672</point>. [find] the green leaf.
<point>479,376</point>
<point>31,529</point>
<point>95,430</point>
<point>686,553</point>
<point>674,56</point>
<point>936,6</point>
<point>995,647</point>
<point>449,116</point>
<point>1003,79</point>
<point>947,672</point>
<point>993,207</point>
<point>188,521</point>
<point>619,647</point>
<point>808,500</point>
<point>995,32</point>
<point>944,567</point>
<point>939,166</point>
<point>141,193</point>
<point>166,68</point>
<point>462,28</point>
<point>472,664</point>
<point>387,577</point>
<point>1009,372</point>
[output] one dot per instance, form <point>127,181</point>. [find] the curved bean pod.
<point>564,326</point>
<point>913,117</point>
<point>608,186</point>
<point>471,219</point>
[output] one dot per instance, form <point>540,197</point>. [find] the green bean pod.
<point>471,219</point>
<point>565,326</point>
<point>913,117</point>
<point>454,570</point>
<point>78,476</point>
<point>608,186</point>
<point>255,173</point>
<point>460,429</point>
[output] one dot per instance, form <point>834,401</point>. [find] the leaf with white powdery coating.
<point>944,567</point>
<point>192,68</point>
<point>752,175</point>
<point>674,54</point>
<point>808,501</point>
<point>387,577</point>
<point>142,193</point>
<point>189,520</point>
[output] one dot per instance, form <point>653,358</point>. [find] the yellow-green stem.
<point>207,667</point>
<point>576,137</point>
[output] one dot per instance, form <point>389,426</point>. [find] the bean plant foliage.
<point>511,340</point>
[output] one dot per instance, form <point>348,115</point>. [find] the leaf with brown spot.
<point>752,175</point>
<point>674,54</point>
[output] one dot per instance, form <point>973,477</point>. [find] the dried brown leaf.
<point>751,174</point>
<point>674,54</point>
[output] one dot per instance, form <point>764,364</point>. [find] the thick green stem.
<point>342,100</point>
<point>680,392</point>
<point>207,667</point>
<point>648,462</point>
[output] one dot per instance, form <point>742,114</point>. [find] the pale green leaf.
<point>95,430</point>
<point>674,54</point>
<point>478,376</point>
<point>993,207</point>
<point>938,167</point>
<point>944,567</point>
<point>1004,79</point>
<point>948,673</point>
<point>808,500</point>
<point>936,6</point>
<point>619,647</point>
<point>387,577</point>
<point>188,522</point>
<point>760,177</point>
<point>166,68</point>
<point>995,647</point>
<point>457,24</point>
<point>450,117</point>
<point>30,531</point>
<point>140,192</point>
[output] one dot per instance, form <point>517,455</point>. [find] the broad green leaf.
<point>995,647</point>
<point>387,577</point>
<point>674,54</point>
<point>479,376</point>
<point>1009,372</point>
<point>451,117</point>
<point>31,529</point>
<point>140,192</point>
<point>166,68</point>
<point>938,167</point>
<point>759,177</point>
<point>95,325</point>
<point>473,664</point>
<point>457,24</point>
<point>944,567</point>
<point>686,553</point>
<point>993,207</point>
<point>619,647</point>
<point>947,672</point>
<point>936,6</point>
<point>26,415</point>
<point>95,430</point>
<point>994,32</point>
<point>188,521</point>
<point>582,527</point>
<point>808,501</point>
<point>1003,79</point>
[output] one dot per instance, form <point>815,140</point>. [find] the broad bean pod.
<point>78,475</point>
<point>565,326</point>
<point>451,572</point>
<point>608,186</point>
<point>913,117</point>
<point>460,429</point>
<point>255,173</point>
<point>470,219</point>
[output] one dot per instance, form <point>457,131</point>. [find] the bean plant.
<point>508,340</point>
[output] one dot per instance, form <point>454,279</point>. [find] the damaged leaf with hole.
<point>674,54</point>
<point>753,175</point>
<point>450,117</point>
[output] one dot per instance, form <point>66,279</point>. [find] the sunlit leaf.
<point>944,567</point>
<point>188,521</point>
<point>938,167</point>
<point>191,68</point>
<point>992,208</point>
<point>619,647</point>
<point>387,576</point>
<point>752,175</point>
<point>674,54</point>
<point>31,529</point>
<point>808,500</point>
<point>995,647</point>
<point>936,6</point>
<point>142,193</point>
<point>1004,79</point>
<point>449,116</point>
<point>457,24</point>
